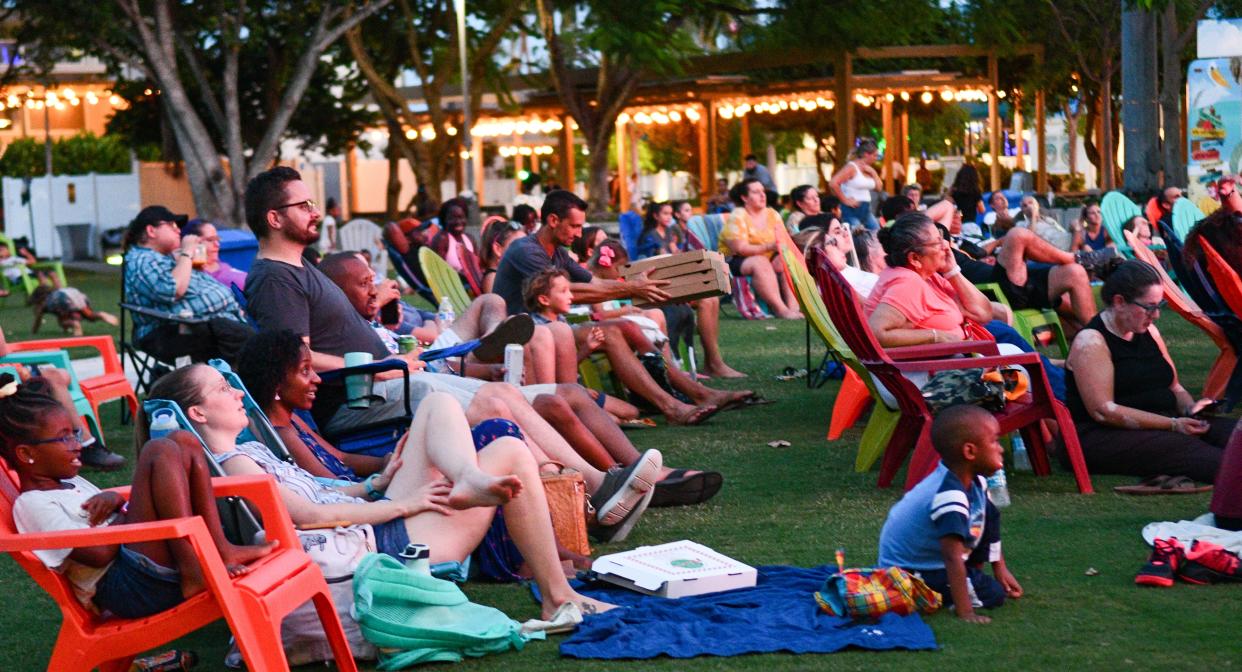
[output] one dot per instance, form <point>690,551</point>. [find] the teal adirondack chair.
<point>1117,209</point>
<point>60,359</point>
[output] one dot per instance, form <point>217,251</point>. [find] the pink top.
<point>454,255</point>
<point>227,275</point>
<point>927,304</point>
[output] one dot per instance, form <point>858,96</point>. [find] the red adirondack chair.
<point>109,385</point>
<point>913,431</point>
<point>254,604</point>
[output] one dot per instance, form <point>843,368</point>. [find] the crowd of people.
<point>467,475</point>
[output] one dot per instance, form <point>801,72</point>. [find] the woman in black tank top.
<point>1132,415</point>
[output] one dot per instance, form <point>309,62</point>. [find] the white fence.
<point>85,205</point>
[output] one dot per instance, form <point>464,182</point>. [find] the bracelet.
<point>935,336</point>
<point>369,484</point>
<point>957,270</point>
<point>1173,424</point>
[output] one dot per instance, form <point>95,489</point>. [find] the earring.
<point>31,460</point>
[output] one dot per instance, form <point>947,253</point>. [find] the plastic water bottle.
<point>998,489</point>
<point>1021,460</point>
<point>163,423</point>
<point>417,557</point>
<point>446,315</point>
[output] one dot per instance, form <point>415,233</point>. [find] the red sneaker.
<point>1206,562</point>
<point>1166,558</point>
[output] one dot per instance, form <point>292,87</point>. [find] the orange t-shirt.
<point>740,227</point>
<point>927,304</point>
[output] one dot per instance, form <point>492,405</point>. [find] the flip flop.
<point>637,423</point>
<point>515,330</point>
<point>1163,485</point>
<point>680,488</point>
<point>701,414</point>
<point>747,402</point>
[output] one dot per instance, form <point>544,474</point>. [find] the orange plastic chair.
<point>1218,376</point>
<point>1228,283</point>
<point>109,385</point>
<point>254,604</point>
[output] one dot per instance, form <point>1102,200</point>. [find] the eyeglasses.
<point>308,205</point>
<point>78,436</point>
<point>515,226</point>
<point>1151,308</point>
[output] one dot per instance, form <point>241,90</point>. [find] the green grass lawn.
<point>796,505</point>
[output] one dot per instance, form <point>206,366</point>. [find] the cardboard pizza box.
<point>701,285</point>
<point>652,264</point>
<point>677,569</point>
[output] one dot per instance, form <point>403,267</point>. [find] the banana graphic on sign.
<point>1217,77</point>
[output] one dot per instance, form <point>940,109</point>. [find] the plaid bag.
<point>873,592</point>
<point>988,388</point>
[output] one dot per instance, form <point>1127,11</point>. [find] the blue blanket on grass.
<point>778,615</point>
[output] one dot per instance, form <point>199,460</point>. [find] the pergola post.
<point>476,160</point>
<point>1041,143</point>
<point>994,120</point>
<point>745,121</point>
<point>886,123</point>
<point>903,140</point>
<point>623,173</point>
<point>634,164</point>
<point>1019,152</point>
<point>707,152</point>
<point>843,90</point>
<point>566,165</point>
<point>517,164</point>
<point>351,180</point>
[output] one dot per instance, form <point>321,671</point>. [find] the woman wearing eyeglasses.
<point>1133,415</point>
<point>209,239</point>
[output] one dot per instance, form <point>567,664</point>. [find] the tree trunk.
<point>1138,107</point>
<point>1108,149</point>
<point>1171,89</point>
<point>1071,136</point>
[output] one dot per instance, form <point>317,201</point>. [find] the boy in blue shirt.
<point>945,529</point>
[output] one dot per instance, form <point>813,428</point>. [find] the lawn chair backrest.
<point>1116,210</point>
<point>260,428</point>
<point>847,316</point>
<point>1185,215</point>
<point>407,273</point>
<point>363,234</point>
<point>629,225</point>
<point>444,281</point>
<point>1178,300</point>
<point>240,297</point>
<point>813,306</point>
<point>706,228</point>
<point>1228,283</point>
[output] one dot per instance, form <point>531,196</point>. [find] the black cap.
<point>154,214</point>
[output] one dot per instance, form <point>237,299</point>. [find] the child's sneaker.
<point>1163,564</point>
<point>1208,563</point>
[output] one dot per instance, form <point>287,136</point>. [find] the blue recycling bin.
<point>238,248</point>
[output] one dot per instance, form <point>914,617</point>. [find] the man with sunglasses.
<point>159,274</point>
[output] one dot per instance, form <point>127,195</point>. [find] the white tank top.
<point>858,187</point>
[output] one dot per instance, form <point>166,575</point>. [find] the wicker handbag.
<point>567,502</point>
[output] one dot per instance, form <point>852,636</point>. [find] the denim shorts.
<point>391,537</point>
<point>136,586</point>
<point>860,215</point>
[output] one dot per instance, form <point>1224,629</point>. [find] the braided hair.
<point>24,412</point>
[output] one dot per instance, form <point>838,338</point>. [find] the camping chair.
<point>363,234</point>
<point>913,430</point>
<point>408,274</point>
<point>378,437</point>
<point>1116,210</point>
<point>703,233</point>
<point>98,390</point>
<point>858,387</point>
<point>629,225</point>
<point>1027,320</point>
<point>28,281</point>
<point>253,604</point>
<point>60,360</point>
<point>444,281</point>
<point>147,366</point>
<point>1225,364</point>
<point>1185,215</point>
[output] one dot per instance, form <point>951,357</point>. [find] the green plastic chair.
<point>444,281</point>
<point>28,281</point>
<point>883,418</point>
<point>60,359</point>
<point>1185,216</point>
<point>1027,320</point>
<point>1117,208</point>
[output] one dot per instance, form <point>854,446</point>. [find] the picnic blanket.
<point>778,615</point>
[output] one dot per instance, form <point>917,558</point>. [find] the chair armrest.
<point>104,345</point>
<point>164,315</point>
<point>933,350</point>
<point>336,375</point>
<point>176,528</point>
<point>1024,359</point>
<point>263,492</point>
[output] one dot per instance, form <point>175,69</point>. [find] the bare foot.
<point>108,317</point>
<point>480,489</point>
<point>588,606</point>
<point>791,316</point>
<point>192,585</point>
<point>242,555</point>
<point>723,398</point>
<point>691,415</point>
<point>723,371</point>
<point>237,570</point>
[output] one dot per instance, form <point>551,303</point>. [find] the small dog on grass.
<point>70,306</point>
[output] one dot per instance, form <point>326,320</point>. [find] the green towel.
<point>414,618</point>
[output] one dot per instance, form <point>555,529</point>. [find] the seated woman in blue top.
<point>659,234</point>
<point>436,489</point>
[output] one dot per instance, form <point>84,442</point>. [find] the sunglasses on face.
<point>1151,308</point>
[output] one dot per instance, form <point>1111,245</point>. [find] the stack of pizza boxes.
<point>690,275</point>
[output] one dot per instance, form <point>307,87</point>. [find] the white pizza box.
<point>676,569</point>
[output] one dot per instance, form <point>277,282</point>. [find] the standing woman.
<point>749,241</point>
<point>658,235</point>
<point>965,192</point>
<point>854,182</point>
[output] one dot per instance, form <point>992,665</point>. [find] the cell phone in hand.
<point>390,312</point>
<point>1208,411</point>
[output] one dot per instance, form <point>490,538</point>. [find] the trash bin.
<point>238,248</point>
<point>77,241</point>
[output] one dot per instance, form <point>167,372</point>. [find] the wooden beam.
<point>994,122</point>
<point>476,160</point>
<point>517,164</point>
<point>623,173</point>
<point>710,119</point>
<point>745,144</point>
<point>707,180</point>
<point>566,165</point>
<point>351,181</point>
<point>886,125</point>
<point>1019,153</point>
<point>903,135</point>
<point>844,94</point>
<point>1041,142</point>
